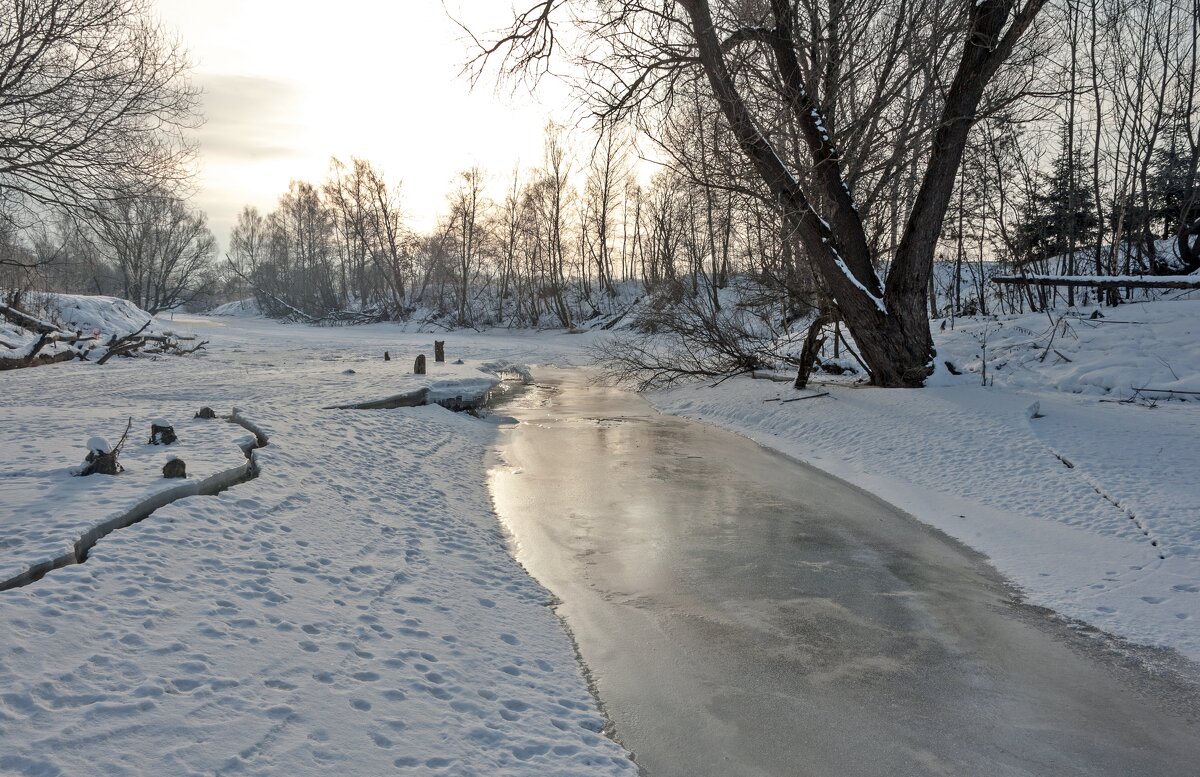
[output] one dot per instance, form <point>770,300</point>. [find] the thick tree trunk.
<point>891,327</point>
<point>38,359</point>
<point>896,355</point>
<point>1188,241</point>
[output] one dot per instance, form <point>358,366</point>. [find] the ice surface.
<point>1085,540</point>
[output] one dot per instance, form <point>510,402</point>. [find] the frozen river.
<point>742,614</point>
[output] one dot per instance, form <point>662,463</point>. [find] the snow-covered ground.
<point>1112,538</point>
<point>98,317</point>
<point>353,610</point>
<point>47,509</point>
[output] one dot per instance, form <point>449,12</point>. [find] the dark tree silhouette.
<point>94,100</point>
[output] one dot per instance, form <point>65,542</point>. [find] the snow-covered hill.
<point>53,327</point>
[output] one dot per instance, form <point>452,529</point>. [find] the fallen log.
<point>37,360</point>
<point>414,398</point>
<point>810,396</point>
<point>756,375</point>
<point>121,350</point>
<point>185,351</point>
<point>34,356</point>
<point>26,321</point>
<point>1102,281</point>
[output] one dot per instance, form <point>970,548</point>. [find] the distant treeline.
<point>1083,160</point>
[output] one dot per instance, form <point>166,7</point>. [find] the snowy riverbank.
<point>352,610</point>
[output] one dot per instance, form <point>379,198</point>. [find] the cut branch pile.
<point>81,346</point>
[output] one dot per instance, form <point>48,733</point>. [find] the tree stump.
<point>206,412</point>
<point>162,433</point>
<point>101,458</point>
<point>419,365</point>
<point>439,350</point>
<point>175,468</point>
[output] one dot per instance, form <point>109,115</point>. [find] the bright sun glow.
<point>289,84</point>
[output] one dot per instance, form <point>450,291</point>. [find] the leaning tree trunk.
<point>892,328</point>
<point>1188,241</point>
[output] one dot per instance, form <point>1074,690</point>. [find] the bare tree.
<point>467,231</point>
<point>606,178</point>
<point>248,245</point>
<point>736,45</point>
<point>508,228</point>
<point>549,198</point>
<point>94,101</point>
<point>160,247</point>
<point>387,235</point>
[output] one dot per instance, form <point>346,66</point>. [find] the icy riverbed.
<point>741,613</point>
<point>1092,508</point>
<point>354,610</point>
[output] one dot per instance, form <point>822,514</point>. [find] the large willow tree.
<point>790,78</point>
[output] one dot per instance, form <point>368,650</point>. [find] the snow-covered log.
<point>1103,281</point>
<point>26,321</point>
<point>47,334</point>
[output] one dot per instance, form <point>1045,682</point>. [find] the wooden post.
<point>439,350</point>
<point>419,365</point>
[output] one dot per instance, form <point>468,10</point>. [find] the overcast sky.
<point>290,83</point>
